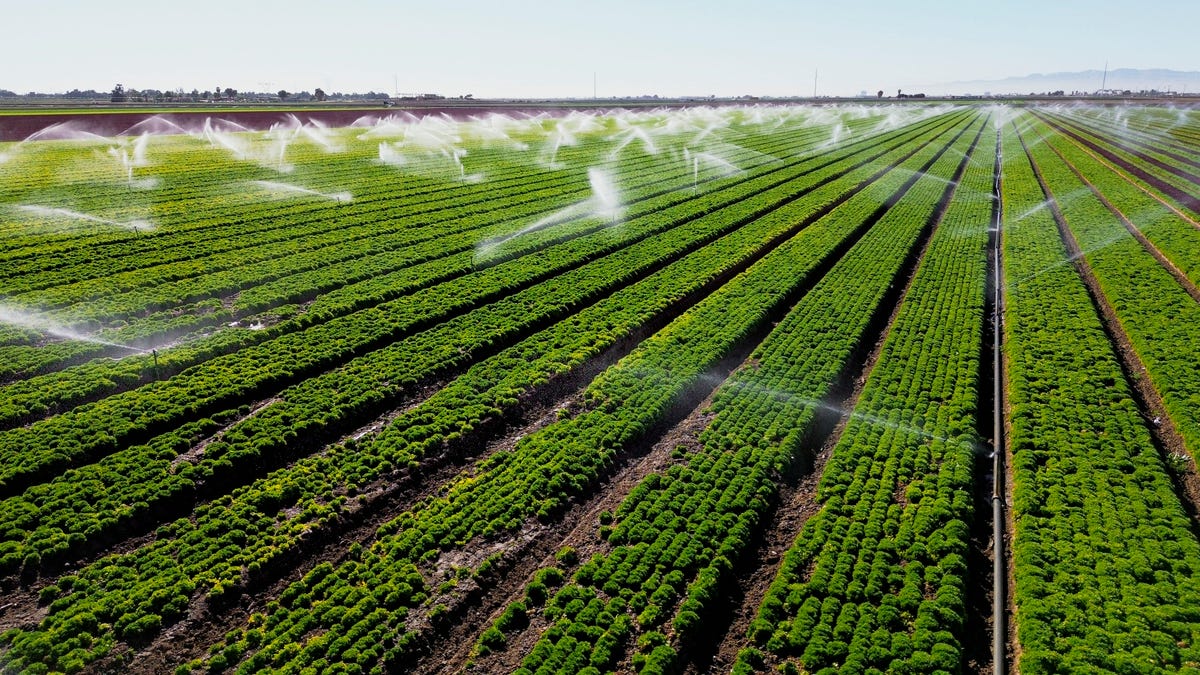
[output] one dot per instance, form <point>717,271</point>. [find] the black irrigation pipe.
<point>999,599</point>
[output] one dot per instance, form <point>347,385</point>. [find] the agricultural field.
<point>706,389</point>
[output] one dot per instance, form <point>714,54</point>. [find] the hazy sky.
<point>671,48</point>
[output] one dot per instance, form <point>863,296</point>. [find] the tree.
<point>319,94</point>
<point>230,93</point>
<point>880,94</point>
<point>283,94</point>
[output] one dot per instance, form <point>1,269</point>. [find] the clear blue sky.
<point>515,48</point>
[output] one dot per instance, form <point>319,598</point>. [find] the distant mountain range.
<point>1120,79</point>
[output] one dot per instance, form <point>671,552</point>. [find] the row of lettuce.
<point>346,323</point>
<point>1175,157</point>
<point>388,250</point>
<point>374,235</point>
<point>1153,308</point>
<point>565,459</point>
<point>332,281</point>
<point>877,579</point>
<point>1165,228</point>
<point>230,541</point>
<point>218,232</point>
<point>1105,561</point>
<point>671,549</point>
<point>197,178</point>
<point>381,248</point>
<point>95,502</point>
<point>1163,174</point>
<point>384,214</point>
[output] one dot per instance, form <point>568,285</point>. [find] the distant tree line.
<point>123,94</point>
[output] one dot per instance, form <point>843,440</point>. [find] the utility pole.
<point>594,85</point>
<point>1104,80</point>
<point>815,71</point>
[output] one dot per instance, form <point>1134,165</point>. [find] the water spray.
<point>30,320</point>
<point>285,188</point>
<point>605,202</point>
<point>56,212</point>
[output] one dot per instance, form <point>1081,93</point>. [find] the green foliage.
<point>1098,521</point>
<point>851,593</point>
<point>364,305</point>
<point>675,534</point>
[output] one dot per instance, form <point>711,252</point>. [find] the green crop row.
<point>1162,152</point>
<point>1147,171</point>
<point>1179,125</point>
<point>546,469</point>
<point>197,556</point>
<point>675,538</point>
<point>101,428</point>
<point>1177,239</point>
<point>877,579</point>
<point>383,239</point>
<point>1106,565</point>
<point>1160,318</point>
<point>336,172</point>
<point>435,243</point>
<point>364,221</point>
<point>143,475</point>
<point>219,190</point>
<point>294,278</point>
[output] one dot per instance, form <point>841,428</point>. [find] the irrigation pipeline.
<point>999,598</point>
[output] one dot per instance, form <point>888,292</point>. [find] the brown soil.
<point>384,501</point>
<point>20,608</point>
<point>797,503</point>
<point>578,529</point>
<point>197,451</point>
